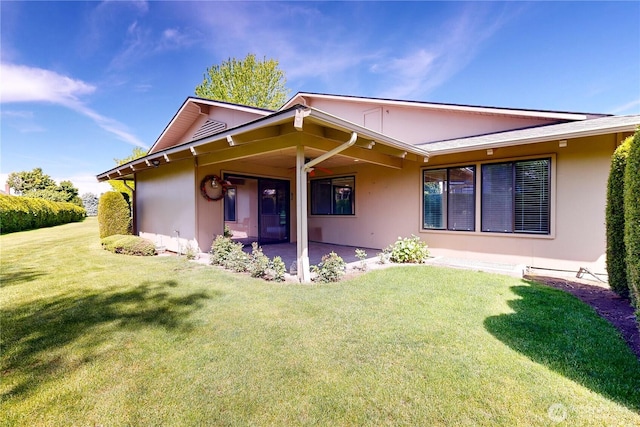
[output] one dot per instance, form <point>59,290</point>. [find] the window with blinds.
<point>515,197</point>
<point>449,199</point>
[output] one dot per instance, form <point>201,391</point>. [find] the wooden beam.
<point>370,156</point>
<point>244,151</point>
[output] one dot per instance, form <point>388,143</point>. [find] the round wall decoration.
<point>213,188</point>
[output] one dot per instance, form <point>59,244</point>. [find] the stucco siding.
<point>166,205</point>
<point>388,205</point>
<point>421,125</point>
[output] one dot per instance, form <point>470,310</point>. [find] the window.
<point>333,196</point>
<point>515,197</point>
<point>449,199</point>
<point>230,204</point>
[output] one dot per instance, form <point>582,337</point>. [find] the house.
<point>496,184</point>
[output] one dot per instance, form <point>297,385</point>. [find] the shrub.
<point>228,254</point>
<point>19,213</point>
<point>128,245</point>
<point>113,214</point>
<point>616,250</point>
<point>361,254</point>
<point>258,262</point>
<point>276,270</point>
<point>330,269</point>
<point>632,220</point>
<point>408,250</point>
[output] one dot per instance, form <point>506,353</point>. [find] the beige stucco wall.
<point>388,205</point>
<point>165,200</point>
<point>421,125</point>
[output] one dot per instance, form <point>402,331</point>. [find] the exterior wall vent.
<point>210,127</point>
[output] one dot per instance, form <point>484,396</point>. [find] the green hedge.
<point>128,245</point>
<point>632,219</point>
<point>113,214</point>
<point>19,213</point>
<point>616,249</point>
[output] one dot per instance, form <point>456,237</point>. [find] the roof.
<point>191,108</point>
<point>571,130</point>
<point>520,112</point>
<point>228,137</point>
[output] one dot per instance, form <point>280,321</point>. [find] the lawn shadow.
<point>33,334</point>
<point>10,278</point>
<point>559,331</point>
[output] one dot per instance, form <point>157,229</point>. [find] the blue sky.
<point>82,83</point>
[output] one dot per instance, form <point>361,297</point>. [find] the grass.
<point>94,338</point>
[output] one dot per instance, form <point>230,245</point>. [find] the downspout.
<point>134,226</point>
<point>304,274</point>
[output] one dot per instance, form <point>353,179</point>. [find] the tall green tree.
<point>118,185</point>
<point>25,181</point>
<point>37,184</point>
<point>247,82</point>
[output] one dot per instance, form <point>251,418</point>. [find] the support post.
<point>302,236</point>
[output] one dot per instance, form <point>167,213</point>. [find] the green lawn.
<point>94,338</point>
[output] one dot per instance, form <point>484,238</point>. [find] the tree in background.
<point>118,185</point>
<point>247,82</point>
<point>26,181</point>
<point>39,185</point>
<point>90,203</point>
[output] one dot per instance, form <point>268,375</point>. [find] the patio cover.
<point>286,139</point>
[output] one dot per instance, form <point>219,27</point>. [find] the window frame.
<point>553,175</point>
<point>447,205</point>
<point>333,187</point>
<point>514,194</point>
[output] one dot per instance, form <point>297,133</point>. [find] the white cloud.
<point>23,121</point>
<point>28,84</point>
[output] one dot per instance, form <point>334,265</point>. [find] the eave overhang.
<point>562,131</point>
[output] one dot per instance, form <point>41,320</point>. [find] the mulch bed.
<point>605,302</point>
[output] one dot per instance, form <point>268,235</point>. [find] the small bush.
<point>258,262</point>
<point>408,250</point>
<point>190,251</point>
<point>128,245</point>
<point>276,270</point>
<point>632,220</point>
<point>330,269</point>
<point>228,254</point>
<point>113,214</point>
<point>361,254</point>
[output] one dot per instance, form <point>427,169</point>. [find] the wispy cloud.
<point>23,121</point>
<point>142,42</point>
<point>28,84</point>
<point>431,62</point>
<point>631,107</point>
